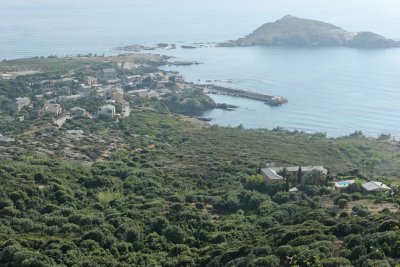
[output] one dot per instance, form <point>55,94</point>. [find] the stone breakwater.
<point>268,99</point>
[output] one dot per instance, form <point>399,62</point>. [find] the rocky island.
<point>293,31</point>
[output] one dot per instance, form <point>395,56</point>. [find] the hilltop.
<point>293,31</point>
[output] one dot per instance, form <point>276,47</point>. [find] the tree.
<point>268,261</point>
<point>342,203</point>
<point>299,176</point>
<point>285,174</point>
<point>336,262</point>
<point>174,234</point>
<point>256,182</point>
<point>316,177</point>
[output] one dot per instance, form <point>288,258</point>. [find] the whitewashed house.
<point>107,111</point>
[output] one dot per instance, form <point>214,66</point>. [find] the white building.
<point>376,187</point>
<point>21,102</point>
<point>140,93</point>
<point>39,97</point>
<point>135,79</point>
<point>65,98</point>
<point>179,79</point>
<point>126,111</point>
<point>90,80</point>
<point>85,91</point>
<point>50,109</point>
<point>153,95</point>
<point>6,139</point>
<point>271,174</point>
<point>108,74</point>
<point>77,112</point>
<point>107,111</point>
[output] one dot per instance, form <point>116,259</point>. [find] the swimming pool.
<point>344,183</point>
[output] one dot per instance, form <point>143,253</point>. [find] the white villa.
<point>271,174</point>
<point>21,102</point>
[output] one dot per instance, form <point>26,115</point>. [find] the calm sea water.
<point>332,90</point>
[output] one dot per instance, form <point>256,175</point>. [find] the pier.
<point>268,99</point>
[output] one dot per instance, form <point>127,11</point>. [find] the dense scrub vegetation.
<point>158,189</point>
<point>182,194</point>
<point>196,104</point>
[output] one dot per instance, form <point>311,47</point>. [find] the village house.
<point>65,98</point>
<point>179,79</point>
<point>20,118</point>
<point>6,76</point>
<point>143,93</point>
<point>126,111</point>
<point>188,91</point>
<point>48,94</point>
<point>21,102</point>
<point>156,76</point>
<point>163,91</point>
<point>107,111</point>
<point>50,109</point>
<point>77,112</point>
<point>271,174</point>
<point>107,74</point>
<point>65,90</point>
<point>85,92</point>
<point>67,79</point>
<point>74,132</point>
<point>39,97</point>
<point>110,101</point>
<point>114,81</point>
<point>162,84</point>
<point>118,96</point>
<point>134,79</point>
<point>106,91</point>
<point>90,80</point>
<point>153,94</point>
<point>6,139</point>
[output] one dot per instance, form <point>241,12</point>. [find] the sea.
<point>330,90</point>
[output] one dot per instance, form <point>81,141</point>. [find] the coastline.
<point>283,110</point>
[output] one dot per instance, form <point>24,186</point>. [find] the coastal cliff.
<point>293,31</point>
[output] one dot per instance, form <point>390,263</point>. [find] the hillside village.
<point>111,90</point>
<point>64,90</point>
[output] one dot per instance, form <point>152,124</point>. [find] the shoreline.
<point>21,60</point>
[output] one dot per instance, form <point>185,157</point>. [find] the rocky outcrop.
<point>293,31</point>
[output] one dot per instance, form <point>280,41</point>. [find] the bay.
<point>332,90</point>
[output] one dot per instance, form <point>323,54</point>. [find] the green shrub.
<point>342,203</point>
